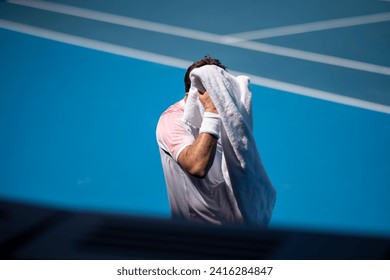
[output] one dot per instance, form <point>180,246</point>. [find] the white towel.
<point>242,168</point>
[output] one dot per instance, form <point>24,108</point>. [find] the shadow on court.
<point>35,232</point>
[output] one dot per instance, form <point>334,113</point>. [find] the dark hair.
<point>207,60</point>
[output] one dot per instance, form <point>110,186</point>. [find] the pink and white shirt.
<point>190,197</point>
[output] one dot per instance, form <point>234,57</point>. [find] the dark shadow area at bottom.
<point>37,232</point>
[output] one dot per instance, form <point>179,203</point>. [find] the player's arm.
<point>198,157</point>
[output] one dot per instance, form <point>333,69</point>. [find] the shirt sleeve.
<point>172,134</point>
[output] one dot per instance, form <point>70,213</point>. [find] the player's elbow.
<point>196,166</point>
<point>198,170</point>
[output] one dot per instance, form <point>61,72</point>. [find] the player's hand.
<point>207,103</point>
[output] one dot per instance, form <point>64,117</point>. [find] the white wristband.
<point>211,124</point>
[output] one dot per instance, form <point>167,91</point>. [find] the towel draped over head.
<point>246,178</point>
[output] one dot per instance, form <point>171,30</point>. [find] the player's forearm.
<point>198,157</point>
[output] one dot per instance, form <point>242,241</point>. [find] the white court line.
<point>117,19</point>
<point>93,44</point>
<point>204,36</point>
<point>310,27</point>
<point>183,64</point>
<point>314,57</point>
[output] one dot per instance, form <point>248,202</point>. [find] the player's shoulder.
<point>173,112</point>
<point>171,118</point>
<point>176,108</point>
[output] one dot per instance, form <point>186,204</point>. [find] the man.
<point>192,161</point>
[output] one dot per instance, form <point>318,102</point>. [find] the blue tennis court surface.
<point>83,83</point>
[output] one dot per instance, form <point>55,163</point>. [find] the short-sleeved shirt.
<point>205,198</point>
